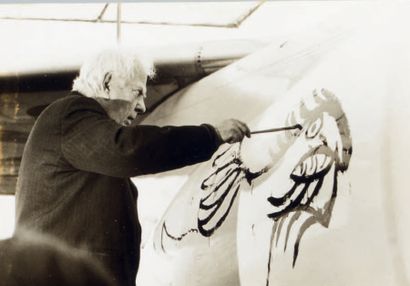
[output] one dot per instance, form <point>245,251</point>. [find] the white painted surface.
<point>365,243</point>
<point>7,217</point>
<point>361,246</point>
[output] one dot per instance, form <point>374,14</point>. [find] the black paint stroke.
<point>210,231</point>
<point>306,224</point>
<point>173,237</point>
<point>279,229</point>
<point>295,209</point>
<point>320,217</point>
<point>236,172</point>
<point>294,219</point>
<point>272,238</point>
<point>303,200</point>
<point>308,183</point>
<point>222,193</point>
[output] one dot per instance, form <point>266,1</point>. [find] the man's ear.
<point>106,83</point>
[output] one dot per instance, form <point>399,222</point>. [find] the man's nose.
<point>140,108</point>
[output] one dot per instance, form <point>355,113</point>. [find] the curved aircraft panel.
<point>199,230</point>
<point>351,229</point>
<point>321,202</point>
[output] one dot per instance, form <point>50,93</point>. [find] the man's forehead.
<point>137,83</point>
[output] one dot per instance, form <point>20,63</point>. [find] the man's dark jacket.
<point>74,177</point>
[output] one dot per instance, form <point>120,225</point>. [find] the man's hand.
<point>232,130</point>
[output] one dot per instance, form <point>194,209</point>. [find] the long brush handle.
<point>297,126</point>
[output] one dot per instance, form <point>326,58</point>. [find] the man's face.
<point>126,98</point>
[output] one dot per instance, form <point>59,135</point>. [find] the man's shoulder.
<point>77,100</point>
<point>72,103</point>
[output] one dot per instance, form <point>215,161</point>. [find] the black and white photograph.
<point>199,143</point>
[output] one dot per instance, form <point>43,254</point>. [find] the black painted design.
<point>329,157</point>
<point>308,177</point>
<point>221,189</point>
<point>325,136</point>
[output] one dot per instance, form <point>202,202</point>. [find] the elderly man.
<point>74,175</point>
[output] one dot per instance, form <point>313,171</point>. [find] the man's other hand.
<point>232,130</point>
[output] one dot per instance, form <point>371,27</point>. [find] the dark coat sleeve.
<point>91,141</point>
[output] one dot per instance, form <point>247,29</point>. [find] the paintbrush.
<point>296,126</point>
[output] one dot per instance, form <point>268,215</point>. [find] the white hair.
<point>123,63</point>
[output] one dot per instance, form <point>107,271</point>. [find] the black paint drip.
<point>173,237</point>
